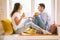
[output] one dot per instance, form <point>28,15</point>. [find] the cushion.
<point>7,26</point>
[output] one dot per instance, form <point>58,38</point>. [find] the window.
<point>50,8</point>
<point>30,6</point>
<point>26,5</point>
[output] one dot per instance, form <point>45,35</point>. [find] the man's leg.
<point>40,23</point>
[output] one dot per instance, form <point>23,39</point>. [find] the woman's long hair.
<point>16,7</point>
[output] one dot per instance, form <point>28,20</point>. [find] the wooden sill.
<point>58,25</point>
<point>33,35</point>
<point>39,34</point>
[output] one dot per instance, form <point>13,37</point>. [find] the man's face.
<point>40,8</point>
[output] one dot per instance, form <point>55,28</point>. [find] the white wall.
<point>3,12</point>
<point>3,9</point>
<point>58,12</point>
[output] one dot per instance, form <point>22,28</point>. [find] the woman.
<point>17,16</point>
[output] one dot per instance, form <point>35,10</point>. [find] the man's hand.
<point>36,14</point>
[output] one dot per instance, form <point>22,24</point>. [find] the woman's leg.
<point>28,25</point>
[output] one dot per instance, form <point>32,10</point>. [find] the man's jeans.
<point>39,22</point>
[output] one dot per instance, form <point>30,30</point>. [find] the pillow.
<point>7,26</point>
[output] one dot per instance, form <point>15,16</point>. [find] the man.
<point>42,20</point>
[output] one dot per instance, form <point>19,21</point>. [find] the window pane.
<point>49,9</point>
<point>26,6</point>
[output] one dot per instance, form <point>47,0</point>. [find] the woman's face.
<point>20,8</point>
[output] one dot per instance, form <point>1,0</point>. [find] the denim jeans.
<point>39,22</point>
<point>36,23</point>
<point>28,25</point>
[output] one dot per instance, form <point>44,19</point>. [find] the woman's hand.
<point>31,17</point>
<point>17,21</point>
<point>23,15</point>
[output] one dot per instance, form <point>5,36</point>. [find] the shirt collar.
<point>40,12</point>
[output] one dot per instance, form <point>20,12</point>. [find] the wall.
<point>3,9</point>
<point>3,12</point>
<point>58,12</point>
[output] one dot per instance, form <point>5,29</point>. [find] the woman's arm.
<point>17,21</point>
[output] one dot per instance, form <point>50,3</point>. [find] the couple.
<point>39,20</point>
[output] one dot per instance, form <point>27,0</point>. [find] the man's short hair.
<point>43,5</point>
